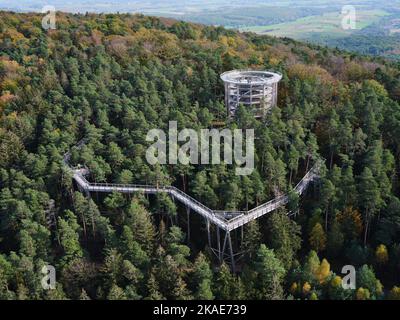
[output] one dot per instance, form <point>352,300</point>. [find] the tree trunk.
<point>262,163</point>
<point>326,220</point>
<point>366,227</point>
<point>93,227</point>
<point>84,225</point>
<point>308,163</point>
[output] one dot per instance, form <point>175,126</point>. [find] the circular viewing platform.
<point>254,89</point>
<point>250,77</point>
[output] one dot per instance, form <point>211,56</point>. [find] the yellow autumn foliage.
<point>377,87</point>
<point>381,254</point>
<point>9,66</point>
<point>310,72</point>
<point>313,296</point>
<point>306,288</point>
<point>5,98</point>
<point>13,35</point>
<point>323,271</point>
<point>351,217</point>
<point>293,288</point>
<point>336,282</point>
<point>160,43</point>
<point>9,85</point>
<point>394,293</point>
<point>355,71</point>
<point>379,288</point>
<point>274,61</point>
<point>236,46</point>
<point>363,294</point>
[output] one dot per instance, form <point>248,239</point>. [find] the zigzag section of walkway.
<point>226,220</point>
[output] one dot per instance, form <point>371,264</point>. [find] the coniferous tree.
<point>251,239</point>
<point>284,237</point>
<point>224,283</point>
<point>370,198</point>
<point>202,278</point>
<point>269,273</point>
<point>317,238</point>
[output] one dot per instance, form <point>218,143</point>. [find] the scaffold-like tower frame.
<point>255,89</point>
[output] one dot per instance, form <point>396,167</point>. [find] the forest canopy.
<point>111,78</point>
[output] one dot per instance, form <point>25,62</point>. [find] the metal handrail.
<point>218,216</point>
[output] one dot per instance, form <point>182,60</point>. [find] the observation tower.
<point>255,89</point>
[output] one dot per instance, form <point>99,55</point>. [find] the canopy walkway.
<point>225,220</point>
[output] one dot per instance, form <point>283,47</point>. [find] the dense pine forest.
<point>110,78</point>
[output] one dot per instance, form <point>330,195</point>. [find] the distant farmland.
<point>324,24</point>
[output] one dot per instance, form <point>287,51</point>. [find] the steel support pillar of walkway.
<point>208,232</point>
<point>219,245</point>
<point>227,245</point>
<point>188,224</point>
<point>231,252</point>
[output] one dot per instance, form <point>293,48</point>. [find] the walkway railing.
<point>226,220</point>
